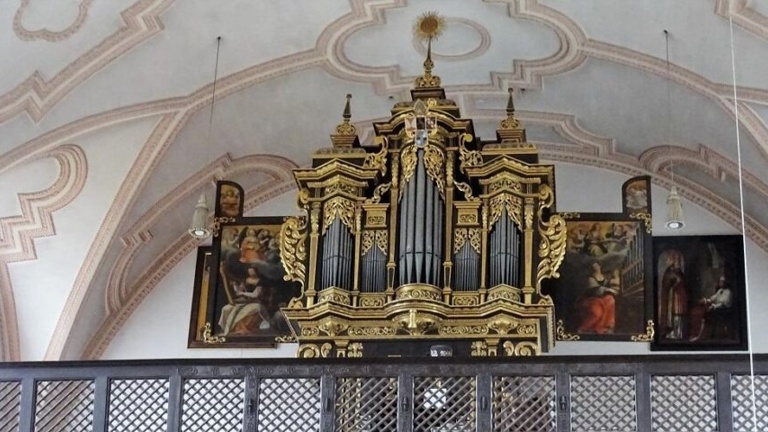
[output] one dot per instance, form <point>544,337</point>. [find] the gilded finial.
<point>511,133</point>
<point>428,26</point>
<point>510,122</point>
<point>346,133</point>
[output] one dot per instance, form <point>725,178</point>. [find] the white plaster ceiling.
<point>115,98</point>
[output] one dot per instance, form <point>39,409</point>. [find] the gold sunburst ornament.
<point>428,26</point>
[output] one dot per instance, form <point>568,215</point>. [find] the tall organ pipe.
<point>505,252</point>
<point>338,247</point>
<point>421,228</point>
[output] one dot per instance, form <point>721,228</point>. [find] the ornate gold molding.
<point>209,337</point>
<point>650,331</point>
<point>562,335</point>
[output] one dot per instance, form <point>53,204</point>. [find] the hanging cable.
<point>743,228</point>
<point>674,205</point>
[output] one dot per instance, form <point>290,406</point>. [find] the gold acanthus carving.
<point>509,348</point>
<point>553,238</point>
<point>505,295</point>
<point>217,222</point>
<point>340,187</point>
<point>479,349</point>
<point>419,292</point>
<point>466,189</point>
<point>314,351</point>
<point>461,236</point>
<point>449,330</point>
<point>525,349</point>
<point>468,218</point>
<point>416,323</point>
<point>342,207</point>
<point>562,335</point>
<point>310,331</point>
<point>332,328</point>
<point>372,331</point>
<point>503,325</point>
<point>500,202</point>
<point>466,300</point>
<point>526,329</point>
<point>355,350</point>
<point>434,162</point>
<point>293,249</point>
<point>468,158</point>
<point>335,297</point>
<point>209,337</point>
<point>646,218</point>
<point>570,215</point>
<point>286,339</point>
<point>380,189</point>
<point>378,237</point>
<point>378,160</point>
<point>648,335</point>
<point>505,181</point>
<point>368,301</point>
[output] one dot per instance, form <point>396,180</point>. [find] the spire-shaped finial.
<point>346,133</point>
<point>510,130</point>
<point>428,26</point>
<point>510,122</point>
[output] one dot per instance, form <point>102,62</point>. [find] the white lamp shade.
<point>199,228</point>
<point>674,210</point>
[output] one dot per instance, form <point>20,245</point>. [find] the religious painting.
<point>603,292</point>
<point>239,283</point>
<point>635,195</point>
<point>699,295</point>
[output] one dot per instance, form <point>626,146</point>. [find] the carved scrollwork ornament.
<point>379,191</point>
<point>355,350</point>
<point>466,190</point>
<point>209,337</point>
<point>378,160</point>
<point>504,201</point>
<point>434,163</point>
<point>646,218</point>
<point>553,238</point>
<point>479,349</point>
<point>562,335</point>
<point>650,331</point>
<point>340,207</point>
<point>468,158</point>
<point>293,235</point>
<point>286,339</point>
<point>217,222</point>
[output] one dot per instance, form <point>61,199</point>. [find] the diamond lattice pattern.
<point>10,403</point>
<point>289,405</point>
<point>524,404</point>
<point>213,405</point>
<point>603,403</point>
<point>64,406</point>
<point>683,403</point>
<point>741,397</point>
<point>138,405</point>
<point>444,404</point>
<point>366,404</point>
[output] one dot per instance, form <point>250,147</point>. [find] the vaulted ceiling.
<point>106,128</point>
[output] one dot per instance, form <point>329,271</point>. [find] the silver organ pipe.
<point>505,252</point>
<point>421,230</point>
<point>338,247</point>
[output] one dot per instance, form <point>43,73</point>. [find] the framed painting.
<point>604,291</point>
<point>239,284</point>
<point>699,294</point>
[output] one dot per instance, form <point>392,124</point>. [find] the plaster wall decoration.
<point>37,95</point>
<point>750,17</point>
<point>46,33</point>
<point>35,221</point>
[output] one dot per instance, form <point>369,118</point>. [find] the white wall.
<point>158,329</point>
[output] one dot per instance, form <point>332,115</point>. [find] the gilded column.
<point>313,242</point>
<point>528,285</point>
<point>448,264</point>
<point>393,207</point>
<point>356,271</point>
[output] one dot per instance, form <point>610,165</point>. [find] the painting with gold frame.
<point>239,282</point>
<point>605,287</point>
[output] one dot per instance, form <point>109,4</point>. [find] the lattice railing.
<point>137,405</point>
<point>289,405</point>
<point>524,403</point>
<point>560,394</point>
<point>213,405</point>
<point>683,403</point>
<point>744,411</point>
<point>10,405</point>
<point>64,406</point>
<point>366,404</point>
<point>603,403</point>
<point>444,404</point>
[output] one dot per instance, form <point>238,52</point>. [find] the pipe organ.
<point>428,238</point>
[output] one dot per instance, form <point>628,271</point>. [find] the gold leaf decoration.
<point>293,252</point>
